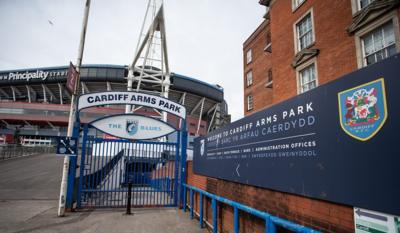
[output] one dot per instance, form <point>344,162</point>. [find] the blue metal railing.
<point>271,222</point>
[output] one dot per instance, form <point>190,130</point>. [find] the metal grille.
<point>108,165</point>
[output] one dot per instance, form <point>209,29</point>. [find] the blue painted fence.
<point>271,222</point>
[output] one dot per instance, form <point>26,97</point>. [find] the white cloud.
<point>204,37</point>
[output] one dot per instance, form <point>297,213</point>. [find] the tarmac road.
<point>29,190</point>
<point>35,177</point>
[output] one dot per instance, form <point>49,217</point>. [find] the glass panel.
<point>92,72</point>
<point>248,56</point>
<point>307,79</point>
<point>370,59</point>
<point>111,73</point>
<point>84,72</point>
<point>389,34</point>
<point>313,84</point>
<point>304,31</point>
<point>101,73</point>
<point>391,50</point>
<point>380,55</point>
<point>249,78</point>
<point>379,44</point>
<point>120,73</point>
<point>364,3</point>
<point>368,45</point>
<point>378,40</point>
<point>297,3</point>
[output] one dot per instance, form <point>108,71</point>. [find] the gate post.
<point>184,140</point>
<point>72,167</point>
<point>82,165</point>
<point>176,173</point>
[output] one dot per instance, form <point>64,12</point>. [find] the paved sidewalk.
<point>29,189</point>
<point>41,216</point>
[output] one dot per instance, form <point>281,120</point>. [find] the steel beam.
<point>213,116</point>
<point>4,93</point>
<point>200,116</point>
<point>197,105</point>
<point>47,90</point>
<point>85,88</point>
<point>60,89</point>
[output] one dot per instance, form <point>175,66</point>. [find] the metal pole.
<point>128,204</point>
<point>72,113</point>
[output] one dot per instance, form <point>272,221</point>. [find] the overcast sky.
<point>204,37</point>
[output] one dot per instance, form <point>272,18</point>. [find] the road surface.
<point>29,189</point>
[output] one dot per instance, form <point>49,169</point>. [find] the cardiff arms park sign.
<point>338,142</point>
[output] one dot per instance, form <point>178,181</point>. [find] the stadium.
<point>35,103</point>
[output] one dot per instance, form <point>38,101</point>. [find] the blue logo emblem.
<point>132,126</point>
<point>362,109</point>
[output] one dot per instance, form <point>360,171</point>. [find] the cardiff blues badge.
<point>132,126</point>
<point>362,109</point>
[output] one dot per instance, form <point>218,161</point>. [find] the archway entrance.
<point>133,150</point>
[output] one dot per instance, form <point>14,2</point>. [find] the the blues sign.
<point>132,126</point>
<point>338,142</point>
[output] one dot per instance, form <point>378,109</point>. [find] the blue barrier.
<point>270,221</point>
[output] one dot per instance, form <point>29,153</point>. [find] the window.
<point>268,37</point>
<point>297,3</point>
<point>378,44</point>
<point>269,79</point>
<point>304,32</point>
<point>248,56</point>
<point>268,47</point>
<point>249,102</point>
<point>363,3</point>
<point>307,78</point>
<point>249,78</point>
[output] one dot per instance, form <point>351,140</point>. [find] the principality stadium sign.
<point>31,75</point>
<point>133,98</point>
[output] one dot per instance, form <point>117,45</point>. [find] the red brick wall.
<point>261,63</point>
<point>321,215</point>
<point>337,49</point>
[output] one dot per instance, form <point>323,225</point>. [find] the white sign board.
<point>368,221</point>
<point>134,98</point>
<point>132,126</point>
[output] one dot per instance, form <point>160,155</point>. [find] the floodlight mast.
<point>72,113</point>
<point>150,64</point>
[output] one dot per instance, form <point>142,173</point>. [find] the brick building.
<point>305,43</point>
<point>300,45</point>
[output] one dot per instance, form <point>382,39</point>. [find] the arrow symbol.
<point>371,215</point>
<point>67,146</point>
<point>237,169</point>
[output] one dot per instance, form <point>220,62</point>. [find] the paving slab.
<point>36,216</point>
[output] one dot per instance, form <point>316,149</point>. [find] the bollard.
<point>128,205</point>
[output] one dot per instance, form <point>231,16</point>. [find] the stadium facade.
<point>34,103</point>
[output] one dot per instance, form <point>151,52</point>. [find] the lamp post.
<point>72,113</point>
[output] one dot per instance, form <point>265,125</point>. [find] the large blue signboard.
<point>338,142</point>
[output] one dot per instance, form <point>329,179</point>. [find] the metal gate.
<point>108,165</point>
